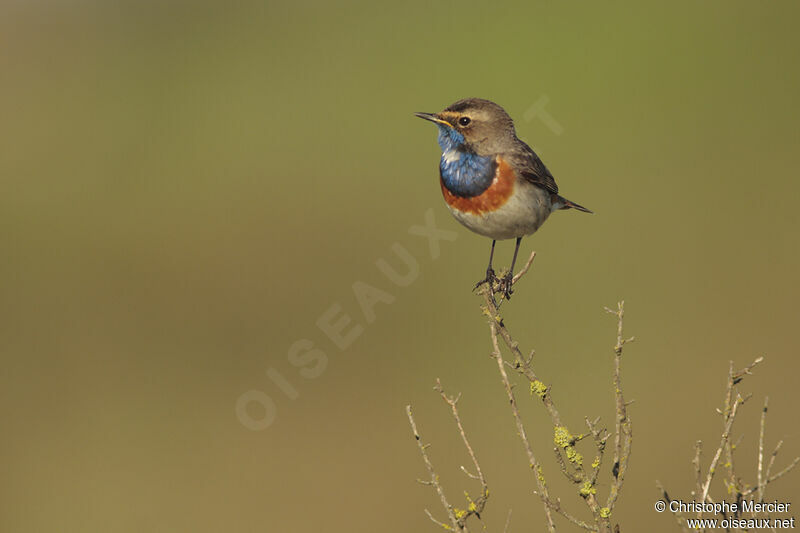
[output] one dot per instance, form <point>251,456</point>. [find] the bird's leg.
<point>490,277</point>
<point>505,283</point>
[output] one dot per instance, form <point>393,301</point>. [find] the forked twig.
<point>434,478</point>
<point>570,461</point>
<point>732,402</point>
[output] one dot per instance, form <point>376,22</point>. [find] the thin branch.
<point>732,401</point>
<point>725,436</point>
<point>698,476</point>
<point>524,269</point>
<point>469,474</point>
<point>576,521</point>
<point>762,484</point>
<point>746,371</point>
<point>565,441</point>
<point>479,502</point>
<point>437,522</point>
<point>508,522</point>
<point>456,526</point>
<point>729,410</point>
<point>575,478</point>
<point>521,364</point>
<point>534,464</point>
<point>623,434</point>
<point>679,518</point>
<point>784,471</point>
<point>773,456</point>
<point>600,437</point>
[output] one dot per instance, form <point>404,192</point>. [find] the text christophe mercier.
<point>723,507</point>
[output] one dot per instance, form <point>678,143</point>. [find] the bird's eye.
<point>464,121</point>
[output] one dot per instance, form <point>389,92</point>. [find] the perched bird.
<point>493,183</point>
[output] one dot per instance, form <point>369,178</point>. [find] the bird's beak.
<point>433,117</point>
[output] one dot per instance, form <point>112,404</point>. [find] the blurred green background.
<point>187,187</point>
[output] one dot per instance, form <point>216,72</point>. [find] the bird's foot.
<point>490,278</point>
<point>504,286</point>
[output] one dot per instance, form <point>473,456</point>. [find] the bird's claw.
<point>496,285</point>
<point>504,286</point>
<point>490,279</point>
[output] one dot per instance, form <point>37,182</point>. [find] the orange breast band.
<point>498,193</point>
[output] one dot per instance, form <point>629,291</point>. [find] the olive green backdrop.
<point>186,188</point>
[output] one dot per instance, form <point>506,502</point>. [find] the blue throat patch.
<point>463,172</point>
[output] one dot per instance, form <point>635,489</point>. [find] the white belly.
<point>522,214</point>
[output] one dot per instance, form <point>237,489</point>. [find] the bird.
<point>493,182</point>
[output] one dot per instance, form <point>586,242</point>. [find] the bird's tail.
<point>563,203</point>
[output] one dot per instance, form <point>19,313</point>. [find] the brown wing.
<point>530,167</point>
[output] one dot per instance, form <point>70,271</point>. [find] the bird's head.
<point>473,124</point>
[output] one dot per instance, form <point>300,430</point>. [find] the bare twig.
<point>733,400</point>
<point>580,523</point>
<point>724,440</point>
<point>784,471</point>
<point>730,408</point>
<point>762,484</point>
<point>534,464</point>
<point>524,269</point>
<point>698,476</point>
<point>679,518</point>
<point>572,476</point>
<point>476,507</point>
<point>456,525</point>
<point>437,522</point>
<point>623,435</point>
<point>508,522</point>
<point>600,437</point>
<point>569,460</point>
